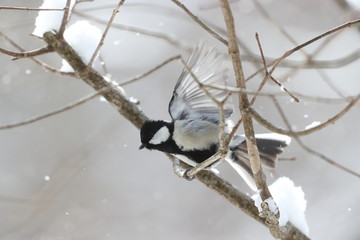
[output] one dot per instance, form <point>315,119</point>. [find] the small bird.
<point>193,134</point>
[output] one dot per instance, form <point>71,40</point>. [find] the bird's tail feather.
<point>269,146</point>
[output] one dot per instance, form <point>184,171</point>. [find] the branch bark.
<point>244,103</point>
<point>271,219</point>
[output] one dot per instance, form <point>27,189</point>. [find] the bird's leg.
<point>180,171</point>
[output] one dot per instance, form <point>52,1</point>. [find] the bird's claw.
<point>186,176</point>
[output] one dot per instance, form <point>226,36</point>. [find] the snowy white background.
<point>79,175</point>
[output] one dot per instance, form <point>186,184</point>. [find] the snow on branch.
<point>290,201</point>
<point>50,20</point>
<point>84,39</point>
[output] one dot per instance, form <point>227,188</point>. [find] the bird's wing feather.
<point>189,101</point>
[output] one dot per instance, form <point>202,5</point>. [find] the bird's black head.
<point>153,133</point>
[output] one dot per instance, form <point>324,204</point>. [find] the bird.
<point>192,135</point>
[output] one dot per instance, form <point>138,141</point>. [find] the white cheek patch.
<point>160,136</point>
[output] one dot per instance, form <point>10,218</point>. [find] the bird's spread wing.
<point>189,101</point>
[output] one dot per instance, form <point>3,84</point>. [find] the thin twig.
<point>324,64</point>
<point>291,133</point>
<point>201,24</point>
<point>262,84</point>
<point>147,32</point>
<point>103,66</point>
<point>54,112</point>
<point>27,54</point>
<point>297,48</point>
<point>326,159</point>
<point>293,41</point>
<point>84,99</point>
<point>140,76</point>
<point>308,149</point>
<point>37,61</point>
<point>115,11</point>
<point>65,17</point>
<point>30,9</point>
<point>281,94</point>
<point>277,62</point>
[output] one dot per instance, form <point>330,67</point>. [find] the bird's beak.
<point>142,146</point>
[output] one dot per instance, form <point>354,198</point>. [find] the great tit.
<point>193,133</point>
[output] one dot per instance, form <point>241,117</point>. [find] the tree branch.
<point>291,133</point>
<point>271,218</point>
<point>125,107</point>
<point>30,9</point>
<point>201,24</point>
<point>244,103</point>
<point>52,113</point>
<point>27,54</point>
<point>65,18</point>
<point>115,11</point>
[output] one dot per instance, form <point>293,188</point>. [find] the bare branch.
<point>65,18</point>
<point>311,64</point>
<point>262,84</point>
<point>297,48</point>
<point>27,54</point>
<point>308,149</point>
<point>115,11</point>
<point>30,9</point>
<point>84,99</point>
<point>271,219</point>
<point>326,159</point>
<point>244,103</point>
<point>201,24</point>
<point>150,71</point>
<point>52,113</point>
<point>37,61</point>
<point>168,38</point>
<point>291,133</point>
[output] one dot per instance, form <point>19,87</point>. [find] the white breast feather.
<point>195,134</point>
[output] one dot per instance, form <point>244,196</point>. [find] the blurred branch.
<point>308,149</point>
<point>37,61</point>
<point>334,63</point>
<point>54,112</point>
<point>262,84</point>
<point>27,54</point>
<point>84,99</point>
<point>150,71</point>
<point>291,133</point>
<point>170,39</point>
<point>30,9</point>
<point>297,48</point>
<point>308,57</point>
<point>200,23</point>
<point>108,25</point>
<point>326,159</point>
<point>65,17</point>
